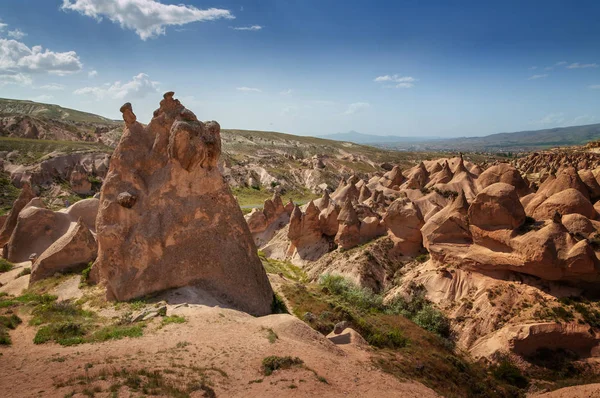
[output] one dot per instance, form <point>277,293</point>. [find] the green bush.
<point>433,320</point>
<point>5,265</point>
<point>509,373</point>
<point>278,305</point>
<point>362,298</point>
<point>64,333</point>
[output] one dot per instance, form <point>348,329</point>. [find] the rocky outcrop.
<point>448,226</point>
<point>569,201</point>
<point>38,228</point>
<point>72,251</point>
<point>348,235</point>
<point>79,182</point>
<point>497,207</point>
<point>404,221</point>
<point>185,227</point>
<point>260,219</point>
<point>503,172</point>
<point>11,221</point>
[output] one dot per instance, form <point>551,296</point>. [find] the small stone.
<point>126,199</point>
<point>340,326</point>
<point>308,317</point>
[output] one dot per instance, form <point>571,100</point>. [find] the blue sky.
<point>407,68</point>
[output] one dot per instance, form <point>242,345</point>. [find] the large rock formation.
<point>11,221</point>
<point>39,228</point>
<point>167,219</point>
<point>74,249</point>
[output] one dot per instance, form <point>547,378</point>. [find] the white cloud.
<point>534,77</point>
<point>595,86</point>
<point>357,107</point>
<point>148,18</point>
<point>289,91</point>
<point>17,34</point>
<point>93,73</point>
<point>402,81</point>
<point>561,63</point>
<point>582,120</point>
<point>139,87</point>
<point>15,78</point>
<point>42,98</point>
<point>16,57</point>
<point>532,67</point>
<point>249,89</point>
<point>554,119</point>
<point>52,87</point>
<point>577,65</point>
<point>2,26</point>
<point>253,27</point>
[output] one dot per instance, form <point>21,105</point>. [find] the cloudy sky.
<point>408,68</point>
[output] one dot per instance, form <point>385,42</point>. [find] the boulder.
<point>185,228</point>
<point>36,230</point>
<point>506,173</point>
<point>497,207</point>
<point>565,202</point>
<point>72,251</point>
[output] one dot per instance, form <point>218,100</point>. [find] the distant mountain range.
<point>501,142</point>
<point>359,138</point>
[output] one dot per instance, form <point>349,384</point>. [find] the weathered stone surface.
<point>348,235</point>
<point>79,182</point>
<point>36,230</point>
<point>186,227</point>
<point>73,250</point>
<point>503,172</point>
<point>497,207</point>
<point>404,221</point>
<point>569,201</point>
<point>24,198</point>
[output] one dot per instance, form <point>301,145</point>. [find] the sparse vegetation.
<point>167,320</point>
<point>278,306</point>
<point>5,265</point>
<point>509,373</point>
<point>8,322</point>
<point>273,363</point>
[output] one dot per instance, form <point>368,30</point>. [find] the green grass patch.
<point>284,268</point>
<point>116,332</point>
<point>172,319</point>
<point>5,265</point>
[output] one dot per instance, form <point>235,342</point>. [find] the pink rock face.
<point>185,227</point>
<point>404,221</point>
<point>11,221</point>
<point>497,207</point>
<point>569,201</point>
<point>505,173</point>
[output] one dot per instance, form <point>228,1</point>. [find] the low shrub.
<point>5,265</point>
